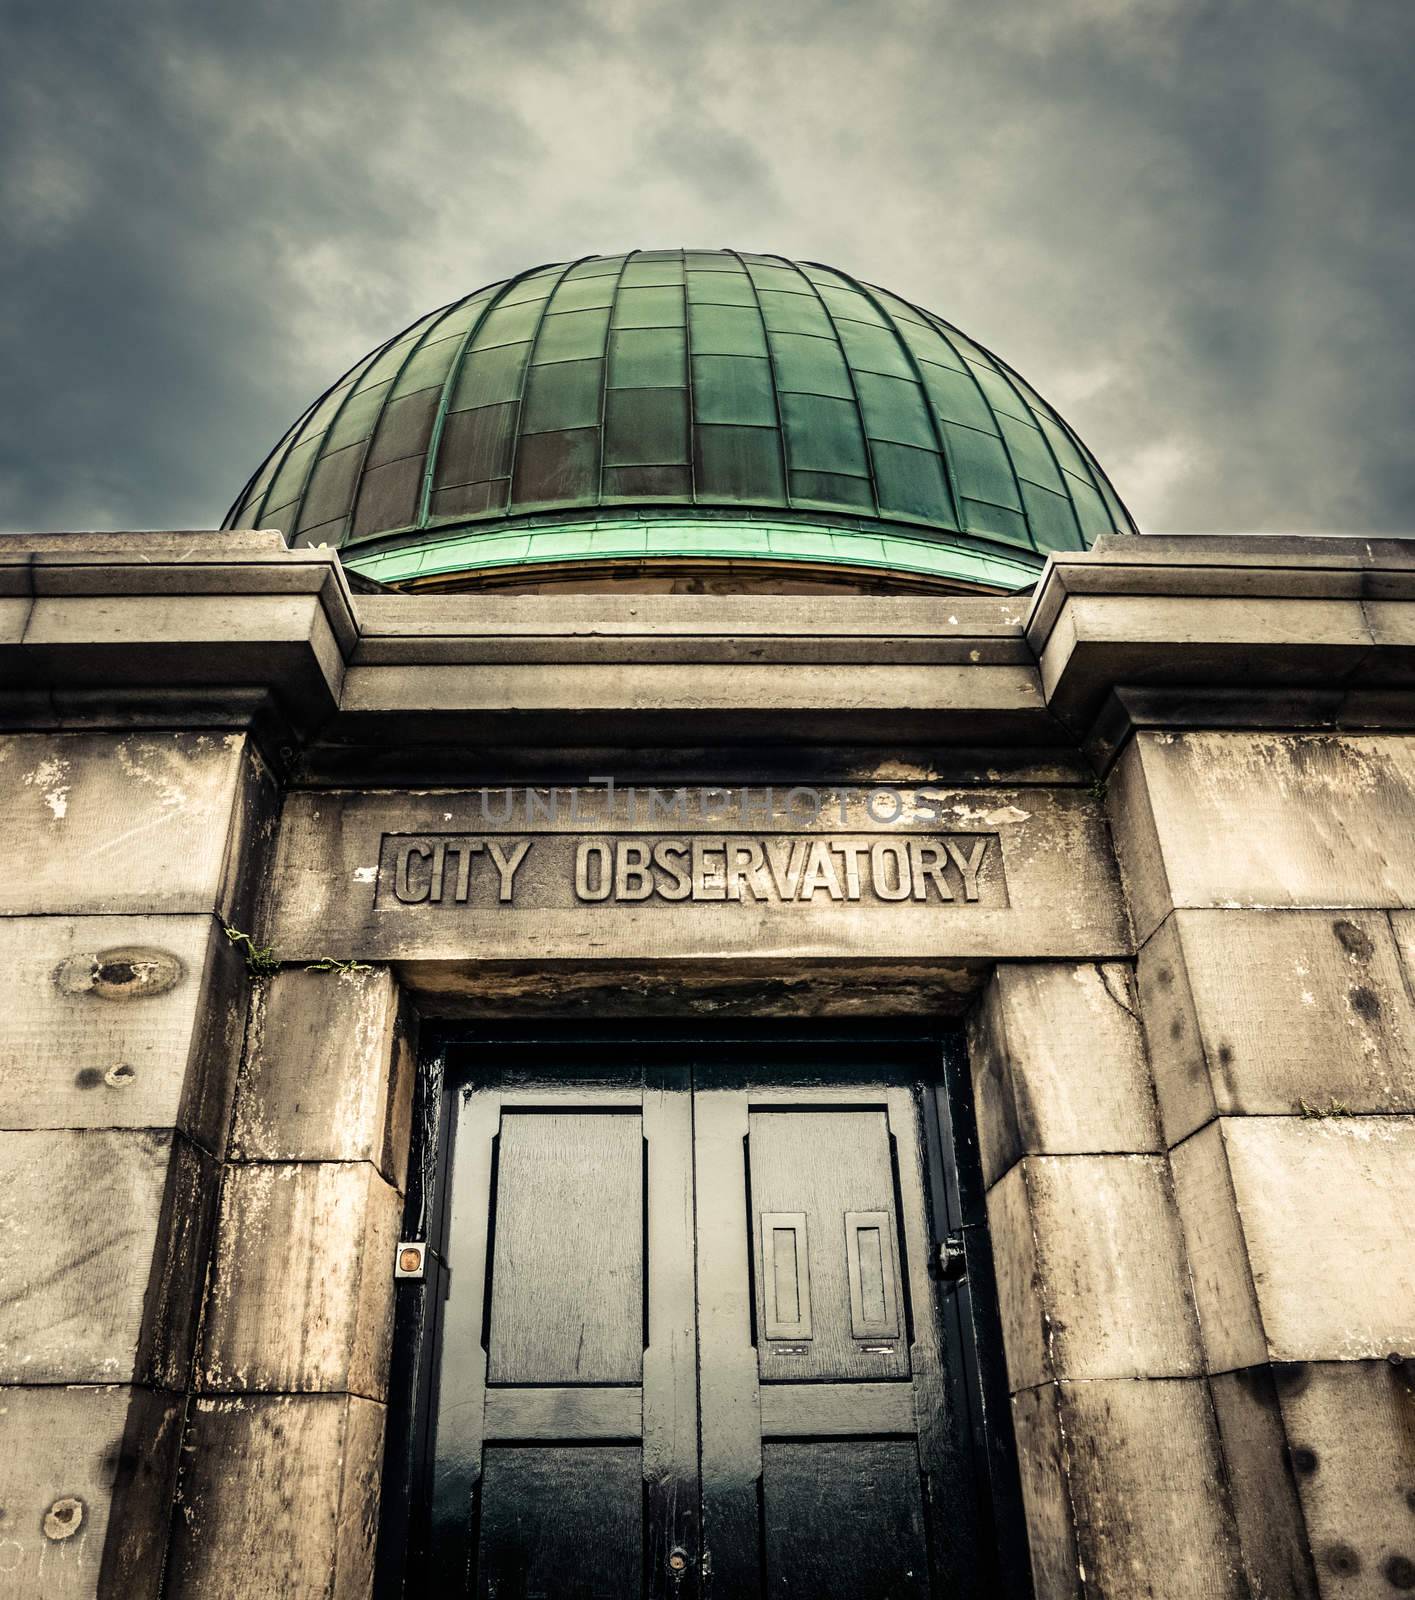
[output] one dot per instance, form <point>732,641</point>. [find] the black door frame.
<point>967,1303</point>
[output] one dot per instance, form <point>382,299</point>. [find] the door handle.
<point>950,1262</point>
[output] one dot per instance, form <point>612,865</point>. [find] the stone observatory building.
<point>677,967</point>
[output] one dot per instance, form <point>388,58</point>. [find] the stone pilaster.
<point>285,1438</point>
<point>1269,876</point>
<point>122,861</point>
<point>1117,1441</point>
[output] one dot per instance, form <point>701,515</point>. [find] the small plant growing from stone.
<point>1334,1108</point>
<point>329,964</point>
<point>261,959</point>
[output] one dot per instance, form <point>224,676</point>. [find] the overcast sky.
<point>1189,225</point>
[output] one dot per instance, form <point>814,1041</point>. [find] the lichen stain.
<point>1353,939</point>
<point>1342,1560</point>
<point>1399,1572</point>
<point>159,767</point>
<point>1365,1003</point>
<point>124,972</point>
<point>1004,815</point>
<point>51,778</point>
<point>63,1519</point>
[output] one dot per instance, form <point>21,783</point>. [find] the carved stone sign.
<point>560,870</point>
<point>593,873</point>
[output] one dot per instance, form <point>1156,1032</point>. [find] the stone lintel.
<point>1047,886</point>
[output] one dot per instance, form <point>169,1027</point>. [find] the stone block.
<point>14,614</point>
<point>1301,1236</point>
<point>1351,1431</point>
<point>1328,1209</point>
<point>1046,1495</point>
<point>1125,1493</point>
<point>120,1022</point>
<point>301,1295</point>
<point>107,824</point>
<point>1059,1064</point>
<point>86,1481</point>
<point>1092,1281</point>
<point>994,1103</point>
<point>1271,1531</point>
<point>1139,849</point>
<point>328,1073</point>
<point>1403,926</point>
<point>1230,1320</point>
<point>1264,819</point>
<point>1263,1012</point>
<point>279,1496</point>
<point>103,1243</point>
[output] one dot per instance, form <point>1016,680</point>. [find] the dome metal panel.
<point>650,384</point>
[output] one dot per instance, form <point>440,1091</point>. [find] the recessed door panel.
<point>844,1518</point>
<point>825,1242</point>
<point>560,1520</point>
<point>567,1279</point>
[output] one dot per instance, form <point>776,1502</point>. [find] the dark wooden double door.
<point>691,1343</point>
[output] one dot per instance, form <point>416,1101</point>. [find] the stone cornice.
<point>217,628</point>
<point>1207,630</point>
<point>197,628</point>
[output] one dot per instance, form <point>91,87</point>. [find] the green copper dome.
<point>693,405</point>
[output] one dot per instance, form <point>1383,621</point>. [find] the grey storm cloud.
<point>1189,224</point>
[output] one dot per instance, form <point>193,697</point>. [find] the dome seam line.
<point>355,372</point>
<point>934,423</point>
<point>449,385</point>
<point>435,322</point>
<point>771,365</point>
<point>983,395</point>
<point>850,374</point>
<point>604,359</point>
<point>526,376</point>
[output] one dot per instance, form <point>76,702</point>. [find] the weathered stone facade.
<point>1184,962</point>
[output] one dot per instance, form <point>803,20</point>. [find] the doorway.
<point>706,1324</point>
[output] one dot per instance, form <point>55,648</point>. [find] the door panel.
<point>567,1287</point>
<point>825,1241</point>
<point>865,1496</point>
<point>538,1506</point>
<point>564,1417</point>
<point>826,1427</point>
<point>690,1346</point>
